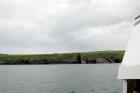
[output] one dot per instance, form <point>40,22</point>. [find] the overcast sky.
<point>49,26</point>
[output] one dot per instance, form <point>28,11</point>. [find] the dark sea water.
<point>81,78</point>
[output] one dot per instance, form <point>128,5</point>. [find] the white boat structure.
<point>129,70</point>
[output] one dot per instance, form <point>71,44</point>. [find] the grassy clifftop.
<point>88,57</point>
<point>103,54</point>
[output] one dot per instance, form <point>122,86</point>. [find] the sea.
<point>63,78</point>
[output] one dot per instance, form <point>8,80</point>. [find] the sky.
<point>56,26</point>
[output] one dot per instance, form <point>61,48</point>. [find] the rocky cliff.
<point>65,58</point>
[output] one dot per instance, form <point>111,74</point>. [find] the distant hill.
<point>65,58</point>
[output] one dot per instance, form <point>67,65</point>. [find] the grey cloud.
<point>44,26</point>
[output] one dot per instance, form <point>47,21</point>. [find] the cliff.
<point>65,58</point>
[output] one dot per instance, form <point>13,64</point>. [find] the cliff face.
<point>65,58</point>
<point>104,60</point>
<point>91,61</point>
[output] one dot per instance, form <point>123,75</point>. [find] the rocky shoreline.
<point>87,61</point>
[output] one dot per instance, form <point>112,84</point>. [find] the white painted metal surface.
<point>130,67</point>
<point>124,86</point>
